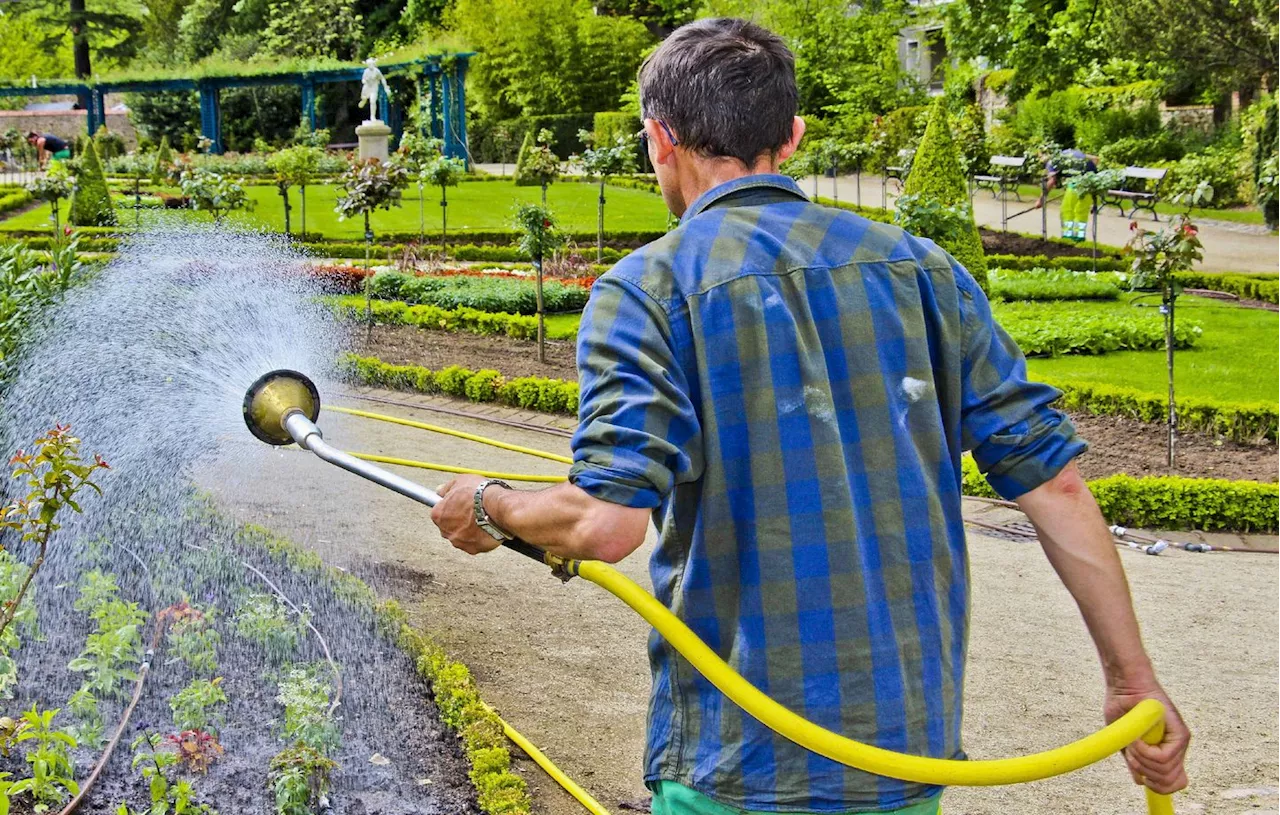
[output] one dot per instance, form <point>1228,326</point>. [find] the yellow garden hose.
<point>448,468</point>
<point>1145,721</point>
<point>570,786</point>
<point>529,451</point>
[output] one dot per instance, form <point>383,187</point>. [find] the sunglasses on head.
<point>644,137</point>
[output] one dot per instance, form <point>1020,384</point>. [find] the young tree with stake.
<point>602,162</point>
<point>416,152</point>
<point>539,238</point>
<point>296,166</point>
<point>368,185</point>
<point>443,172</point>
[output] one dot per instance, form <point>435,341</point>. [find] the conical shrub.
<point>91,202</point>
<point>164,160</point>
<point>936,176</point>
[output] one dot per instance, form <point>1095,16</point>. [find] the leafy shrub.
<point>1142,151</point>
<point>12,198</point>
<point>530,392</point>
<point>1054,329</point>
<point>263,619</point>
<point>333,279</point>
<point>306,711</point>
<point>90,202</point>
<point>194,706</point>
<point>936,176</point>
<point>1258,286</point>
<point>1169,502</point>
<point>1219,167</point>
<point>1246,423</point>
<point>393,312</point>
<point>1052,284</point>
<point>484,293</point>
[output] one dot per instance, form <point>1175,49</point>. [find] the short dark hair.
<point>727,87</point>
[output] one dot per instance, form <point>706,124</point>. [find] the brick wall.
<point>66,124</point>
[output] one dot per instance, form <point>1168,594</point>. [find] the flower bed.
<point>493,293</point>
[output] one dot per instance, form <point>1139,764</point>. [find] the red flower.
<point>66,230</point>
<point>546,223</point>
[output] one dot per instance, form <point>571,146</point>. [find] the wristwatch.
<point>482,518</point>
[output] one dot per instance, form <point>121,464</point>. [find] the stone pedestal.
<point>373,137</point>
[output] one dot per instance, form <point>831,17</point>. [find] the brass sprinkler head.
<point>272,398</point>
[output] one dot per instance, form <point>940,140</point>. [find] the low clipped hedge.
<point>1247,423</point>
<point>498,790</point>
<point>1071,263</point>
<point>528,392</point>
<point>396,312</point>
<point>1263,286</point>
<point>1169,502</point>
<point>12,198</point>
<point>485,293</point>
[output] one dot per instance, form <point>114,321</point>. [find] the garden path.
<point>565,664</point>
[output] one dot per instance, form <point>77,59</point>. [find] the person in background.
<point>48,146</point>
<point>1075,208</point>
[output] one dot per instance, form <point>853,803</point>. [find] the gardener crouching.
<point>785,390</point>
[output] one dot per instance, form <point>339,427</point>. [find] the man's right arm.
<point>1078,544</point>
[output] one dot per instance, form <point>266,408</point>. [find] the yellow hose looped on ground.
<point>1145,721</point>
<point>456,433</point>
<point>448,468</point>
<point>583,797</point>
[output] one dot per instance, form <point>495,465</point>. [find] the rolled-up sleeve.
<point>637,423</point>
<point>1018,440</point>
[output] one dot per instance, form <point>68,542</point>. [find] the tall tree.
<point>312,28</point>
<point>112,28</point>
<point>1046,43</point>
<point>1216,45</point>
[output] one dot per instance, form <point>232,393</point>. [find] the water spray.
<point>282,407</point>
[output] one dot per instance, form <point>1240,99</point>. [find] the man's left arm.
<point>637,426</point>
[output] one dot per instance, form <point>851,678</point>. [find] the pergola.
<point>441,85</point>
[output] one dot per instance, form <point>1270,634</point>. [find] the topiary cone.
<point>90,202</point>
<point>936,176</point>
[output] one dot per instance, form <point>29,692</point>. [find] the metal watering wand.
<point>282,406</point>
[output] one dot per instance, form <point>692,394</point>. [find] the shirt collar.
<point>718,192</point>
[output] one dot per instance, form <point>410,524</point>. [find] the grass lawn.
<point>562,326</point>
<point>1235,360</point>
<point>478,206</point>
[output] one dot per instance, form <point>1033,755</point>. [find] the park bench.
<point>1006,171</point>
<point>899,171</point>
<point>1133,189</point>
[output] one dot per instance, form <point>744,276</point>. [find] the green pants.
<point>1075,215</point>
<point>670,798</point>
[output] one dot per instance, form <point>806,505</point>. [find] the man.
<point>786,390</point>
<point>1075,209</point>
<point>48,146</point>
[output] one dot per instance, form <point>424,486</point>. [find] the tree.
<point>312,28</point>
<point>443,172</point>
<point>1045,43</point>
<point>552,56</point>
<point>213,192</point>
<point>1220,45</point>
<point>414,154</point>
<point>367,186</point>
<point>112,32</point>
<point>91,200</point>
<point>295,166</point>
<point>602,162</point>
<point>1158,257</point>
<point>163,164</point>
<point>846,51</point>
<point>539,238</point>
<point>53,187</point>
<point>537,166</point>
<point>936,177</point>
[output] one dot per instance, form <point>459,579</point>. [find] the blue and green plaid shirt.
<point>790,387</point>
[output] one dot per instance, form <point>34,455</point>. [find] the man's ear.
<point>663,149</point>
<point>797,133</point>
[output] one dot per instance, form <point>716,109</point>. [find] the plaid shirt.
<point>790,387</point>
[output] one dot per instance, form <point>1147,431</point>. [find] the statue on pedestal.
<point>370,81</point>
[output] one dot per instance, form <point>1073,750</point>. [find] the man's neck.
<point>706,174</point>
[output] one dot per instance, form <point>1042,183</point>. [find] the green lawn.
<point>477,206</point>
<point>1236,359</point>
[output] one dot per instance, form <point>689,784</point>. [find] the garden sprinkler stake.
<point>281,407</point>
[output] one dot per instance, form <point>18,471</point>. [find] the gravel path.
<point>565,663</point>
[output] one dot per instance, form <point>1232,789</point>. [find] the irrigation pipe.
<point>548,766</point>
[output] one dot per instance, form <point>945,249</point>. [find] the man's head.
<point>32,137</point>
<point>718,99</point>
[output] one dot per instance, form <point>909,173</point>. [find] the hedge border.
<point>11,199</point>
<point>557,396</point>
<point>498,790</point>
<point>1244,423</point>
<point>1168,501</point>
<point>434,318</point>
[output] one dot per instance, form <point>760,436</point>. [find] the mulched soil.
<point>996,242</point>
<point>406,345</point>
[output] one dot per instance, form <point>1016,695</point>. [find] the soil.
<point>996,242</point>
<point>565,663</point>
<point>386,707</point>
<point>1122,445</point>
<point>406,345</point>
<point>1118,445</point>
